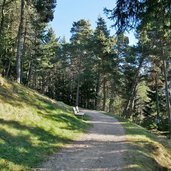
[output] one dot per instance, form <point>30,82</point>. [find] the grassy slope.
<point>32,126</point>
<point>146,152</point>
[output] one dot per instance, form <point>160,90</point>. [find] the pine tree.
<point>147,20</point>
<point>152,119</point>
<point>81,34</point>
<point>102,50</point>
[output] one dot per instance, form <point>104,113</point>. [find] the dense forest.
<point>95,69</point>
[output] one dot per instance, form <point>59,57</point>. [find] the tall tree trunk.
<point>129,104</point>
<point>97,92</point>
<point>87,103</point>
<point>29,73</point>
<point>167,95</point>
<point>78,79</point>
<point>112,96</point>
<point>2,16</point>
<point>104,94</point>
<point>19,43</point>
<point>24,50</point>
<point>70,87</point>
<point>157,98</point>
<point>8,69</point>
<point>78,89</point>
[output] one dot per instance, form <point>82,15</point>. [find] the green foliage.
<point>97,70</point>
<point>132,14</point>
<point>150,111</point>
<point>139,103</point>
<point>152,120</point>
<point>45,9</point>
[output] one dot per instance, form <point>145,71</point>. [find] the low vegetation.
<point>147,152</point>
<point>32,126</point>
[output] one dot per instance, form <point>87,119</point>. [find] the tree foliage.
<point>94,69</point>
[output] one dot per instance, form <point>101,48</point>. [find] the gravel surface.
<point>101,149</point>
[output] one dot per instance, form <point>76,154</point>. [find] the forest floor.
<point>103,147</point>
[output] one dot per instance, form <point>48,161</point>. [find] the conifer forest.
<point>95,69</point>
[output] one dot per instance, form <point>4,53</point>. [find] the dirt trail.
<point>101,149</point>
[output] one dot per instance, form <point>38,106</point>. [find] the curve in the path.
<point>101,149</point>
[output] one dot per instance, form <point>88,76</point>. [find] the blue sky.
<point>68,11</point>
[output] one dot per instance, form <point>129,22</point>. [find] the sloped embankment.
<point>32,126</point>
<point>146,151</point>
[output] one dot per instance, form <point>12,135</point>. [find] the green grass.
<point>32,127</point>
<point>146,151</point>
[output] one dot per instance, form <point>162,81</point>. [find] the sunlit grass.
<point>32,126</point>
<point>146,151</point>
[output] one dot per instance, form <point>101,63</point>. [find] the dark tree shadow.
<point>19,149</point>
<point>72,123</point>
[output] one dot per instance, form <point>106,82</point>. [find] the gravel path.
<point>101,149</point>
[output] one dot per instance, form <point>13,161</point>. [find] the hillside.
<point>32,126</point>
<point>147,152</point>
